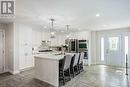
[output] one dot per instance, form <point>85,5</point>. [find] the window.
<point>102,49</point>
<point>113,43</point>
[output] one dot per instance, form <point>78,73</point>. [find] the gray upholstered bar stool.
<point>80,63</point>
<point>74,66</point>
<point>64,70</point>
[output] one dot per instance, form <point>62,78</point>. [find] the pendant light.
<point>67,27</point>
<point>52,33</point>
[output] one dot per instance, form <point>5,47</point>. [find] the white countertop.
<point>51,55</point>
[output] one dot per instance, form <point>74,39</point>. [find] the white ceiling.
<point>80,14</point>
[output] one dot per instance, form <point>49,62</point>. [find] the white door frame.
<point>3,32</point>
<point>105,35</point>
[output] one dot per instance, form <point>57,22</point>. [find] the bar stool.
<point>64,70</point>
<point>80,63</point>
<point>74,65</point>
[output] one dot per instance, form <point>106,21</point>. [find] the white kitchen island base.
<point>47,68</point>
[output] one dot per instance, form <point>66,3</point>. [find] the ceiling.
<point>79,14</point>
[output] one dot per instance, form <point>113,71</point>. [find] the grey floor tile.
<point>92,76</point>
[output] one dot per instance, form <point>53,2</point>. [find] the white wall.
<point>80,35</point>
<point>93,47</point>
<point>36,37</point>
<point>45,36</point>
<point>57,41</point>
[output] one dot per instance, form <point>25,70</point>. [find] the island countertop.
<point>52,56</point>
<point>49,56</point>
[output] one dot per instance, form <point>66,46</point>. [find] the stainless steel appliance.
<point>72,45</point>
<point>83,47</point>
<point>75,45</point>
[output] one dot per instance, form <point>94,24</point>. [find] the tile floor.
<point>93,76</point>
<point>100,76</point>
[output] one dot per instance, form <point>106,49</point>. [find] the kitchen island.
<point>47,68</point>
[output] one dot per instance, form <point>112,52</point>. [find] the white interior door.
<point>1,53</point>
<point>25,49</point>
<point>113,50</point>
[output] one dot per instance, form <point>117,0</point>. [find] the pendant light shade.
<point>67,27</point>
<point>52,33</point>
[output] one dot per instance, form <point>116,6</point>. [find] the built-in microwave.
<point>82,45</point>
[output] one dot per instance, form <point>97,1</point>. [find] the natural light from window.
<point>102,49</point>
<point>126,47</point>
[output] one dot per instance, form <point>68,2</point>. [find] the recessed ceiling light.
<point>52,33</point>
<point>67,36</point>
<point>104,25</point>
<point>45,26</point>
<point>62,31</point>
<point>97,15</point>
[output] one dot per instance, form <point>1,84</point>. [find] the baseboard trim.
<point>29,68</point>
<point>13,72</point>
<point>17,71</point>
